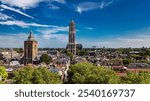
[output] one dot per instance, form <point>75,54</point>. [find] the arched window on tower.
<point>28,51</point>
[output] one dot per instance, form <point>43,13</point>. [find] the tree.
<point>70,55</point>
<point>141,77</point>
<point>126,62</point>
<point>82,52</point>
<point>64,51</point>
<point>86,73</point>
<point>120,50</point>
<point>23,75</point>
<point>130,78</point>
<point>44,76</point>
<point>30,75</point>
<point>144,77</point>
<point>1,82</point>
<point>45,58</point>
<point>135,56</point>
<point>3,73</point>
<point>18,50</point>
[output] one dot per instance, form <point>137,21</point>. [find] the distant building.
<point>134,52</point>
<point>14,64</point>
<point>42,52</point>
<point>30,49</point>
<point>71,47</point>
<point>9,54</point>
<point>79,46</point>
<point>138,65</point>
<point>53,52</point>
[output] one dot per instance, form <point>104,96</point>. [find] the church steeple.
<point>72,23</point>
<point>72,40</point>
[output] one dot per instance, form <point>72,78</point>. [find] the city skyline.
<point>109,23</point>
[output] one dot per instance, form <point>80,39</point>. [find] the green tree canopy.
<point>82,52</point>
<point>136,56</point>
<point>41,75</point>
<point>19,50</point>
<point>64,51</point>
<point>70,55</point>
<point>141,77</point>
<point>3,73</point>
<point>45,58</point>
<point>126,62</point>
<point>86,73</point>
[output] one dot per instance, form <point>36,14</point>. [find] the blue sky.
<point>109,23</point>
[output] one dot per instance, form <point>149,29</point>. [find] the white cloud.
<point>17,40</point>
<point>10,21</point>
<point>89,28</point>
<point>88,43</point>
<point>16,10</point>
<point>55,33</point>
<point>128,40</point>
<point>55,30</point>
<point>27,4</point>
<point>4,17</point>
<point>12,40</point>
<point>135,39</point>
<point>118,43</point>
<point>60,1</point>
<point>24,4</point>
<point>134,42</point>
<point>58,37</point>
<point>105,3</point>
<point>86,6</point>
<point>52,6</point>
<point>22,24</point>
<point>54,38</point>
<point>79,9</point>
<point>1,9</point>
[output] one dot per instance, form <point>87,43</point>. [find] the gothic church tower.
<point>71,47</point>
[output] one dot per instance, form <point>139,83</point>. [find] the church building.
<point>71,47</point>
<point>30,49</point>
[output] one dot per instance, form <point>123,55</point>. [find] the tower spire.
<point>72,22</point>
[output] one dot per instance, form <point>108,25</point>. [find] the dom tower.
<point>71,47</point>
<point>30,49</point>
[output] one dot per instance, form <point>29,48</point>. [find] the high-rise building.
<point>30,49</point>
<point>71,47</point>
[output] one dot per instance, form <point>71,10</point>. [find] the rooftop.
<point>31,37</point>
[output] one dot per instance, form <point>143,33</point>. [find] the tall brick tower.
<point>30,49</point>
<point>71,47</point>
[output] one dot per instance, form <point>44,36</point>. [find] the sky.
<point>100,23</point>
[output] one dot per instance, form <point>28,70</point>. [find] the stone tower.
<point>71,47</point>
<point>30,49</point>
